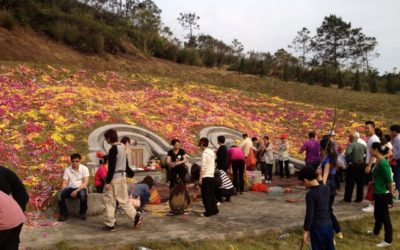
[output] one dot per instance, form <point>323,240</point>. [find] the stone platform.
<point>247,215</point>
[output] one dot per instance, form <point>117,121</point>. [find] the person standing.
<point>317,229</point>
<point>74,185</point>
<point>246,145</point>
<point>327,173</point>
<point>266,154</point>
<point>395,133</point>
<point>176,159</point>
<point>355,153</point>
<point>115,185</point>
<point>383,190</point>
<point>12,185</point>
<point>311,147</point>
<point>237,162</point>
<point>369,159</point>
<point>222,154</point>
<point>283,150</point>
<point>206,180</point>
<point>11,220</point>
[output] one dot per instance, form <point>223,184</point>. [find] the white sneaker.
<point>369,209</point>
<point>383,244</point>
<point>218,203</point>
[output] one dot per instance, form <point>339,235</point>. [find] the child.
<point>179,199</point>
<point>142,191</point>
<point>101,174</point>
<point>317,229</point>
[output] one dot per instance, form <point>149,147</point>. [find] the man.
<point>206,180</point>
<point>369,159</point>
<point>311,147</point>
<point>222,154</point>
<point>11,220</point>
<point>74,185</point>
<point>355,153</point>
<point>395,133</point>
<point>317,229</point>
<point>246,145</point>
<point>359,139</point>
<point>12,185</point>
<point>115,187</point>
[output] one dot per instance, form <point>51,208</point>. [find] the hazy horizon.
<point>266,25</point>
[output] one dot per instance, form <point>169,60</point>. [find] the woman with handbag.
<point>383,193</point>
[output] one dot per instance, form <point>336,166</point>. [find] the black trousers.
<point>66,193</point>
<point>382,217</point>
<point>354,176</point>
<point>208,197</point>
<point>238,175</point>
<point>9,239</point>
<point>223,193</point>
<point>286,163</point>
<point>335,223</point>
<point>266,170</point>
<point>174,172</point>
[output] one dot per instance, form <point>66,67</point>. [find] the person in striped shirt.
<point>225,189</point>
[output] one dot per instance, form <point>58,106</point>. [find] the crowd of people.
<point>220,175</point>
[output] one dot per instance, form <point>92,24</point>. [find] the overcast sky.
<point>268,25</point>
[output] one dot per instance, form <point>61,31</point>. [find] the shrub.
<point>7,19</point>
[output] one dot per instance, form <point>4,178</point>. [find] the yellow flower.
<point>69,137</point>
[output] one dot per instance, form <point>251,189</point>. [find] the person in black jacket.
<point>222,154</point>
<point>12,185</point>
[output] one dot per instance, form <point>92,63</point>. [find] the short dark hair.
<point>395,128</point>
<point>254,139</point>
<point>307,173</point>
<point>387,138</point>
<point>266,137</point>
<point>104,159</point>
<point>203,142</point>
<point>149,181</point>
<point>174,141</point>
<point>111,135</point>
<point>370,123</point>
<point>221,139</point>
<point>76,156</point>
<point>245,135</point>
<point>312,134</point>
<point>125,140</point>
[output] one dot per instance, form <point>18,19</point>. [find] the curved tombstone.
<point>213,132</point>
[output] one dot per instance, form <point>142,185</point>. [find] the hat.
<point>356,134</point>
<point>331,133</point>
<point>283,136</point>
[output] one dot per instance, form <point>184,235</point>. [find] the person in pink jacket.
<point>237,162</point>
<point>11,220</point>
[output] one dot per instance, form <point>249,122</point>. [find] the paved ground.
<point>250,214</point>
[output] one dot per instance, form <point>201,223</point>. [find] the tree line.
<point>337,54</point>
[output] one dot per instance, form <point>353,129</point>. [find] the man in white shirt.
<point>246,145</point>
<point>369,159</point>
<point>206,180</point>
<point>74,185</point>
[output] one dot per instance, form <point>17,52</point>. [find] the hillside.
<point>52,97</point>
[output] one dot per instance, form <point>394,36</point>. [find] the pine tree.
<point>389,84</point>
<point>357,85</point>
<point>339,80</point>
<point>325,80</point>
<point>286,73</point>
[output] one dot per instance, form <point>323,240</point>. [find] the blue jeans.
<point>322,237</point>
<point>66,193</point>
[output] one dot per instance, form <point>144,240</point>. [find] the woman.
<point>142,191</point>
<point>383,190</point>
<point>176,160</point>
<point>237,162</point>
<point>101,174</point>
<point>267,159</point>
<point>283,150</point>
<point>327,172</point>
